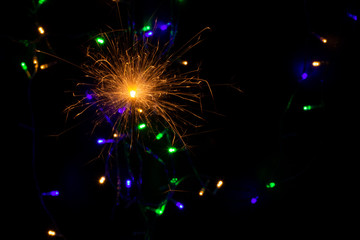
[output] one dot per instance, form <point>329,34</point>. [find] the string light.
<point>103,141</point>
<point>100,40</point>
<point>270,185</point>
<point>41,30</point>
<point>40,2</point>
<point>52,233</point>
<point>102,180</point>
<point>52,193</point>
<point>172,149</point>
<point>159,136</point>
<point>148,33</point>
<point>304,76</point>
<point>219,184</point>
<point>202,191</point>
<point>352,16</point>
<point>142,126</point>
<point>254,200</point>
<point>307,107</point>
<point>316,63</point>
<point>185,63</point>
<point>128,183</point>
<point>146,28</point>
<point>180,205</point>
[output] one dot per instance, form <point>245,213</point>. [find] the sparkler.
<point>137,83</point>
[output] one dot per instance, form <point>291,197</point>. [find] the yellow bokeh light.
<point>51,233</point>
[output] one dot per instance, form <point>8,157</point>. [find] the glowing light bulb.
<point>202,191</point>
<point>128,183</point>
<point>51,233</point>
<point>44,66</point>
<point>159,136</point>
<point>316,63</point>
<point>219,184</point>
<point>102,180</point>
<point>148,33</point>
<point>180,205</point>
<point>24,66</point>
<point>172,149</point>
<point>324,40</point>
<point>146,28</point>
<point>185,63</point>
<point>304,76</point>
<point>100,40</point>
<point>307,107</point>
<point>133,93</point>
<point>41,30</point>
<point>254,200</point>
<point>142,126</point>
<point>41,2</point>
<point>52,193</point>
<point>270,185</point>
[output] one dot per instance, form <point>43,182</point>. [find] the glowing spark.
<point>161,94</point>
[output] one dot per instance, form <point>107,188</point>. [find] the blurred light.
<point>163,27</point>
<point>52,193</point>
<point>159,136</point>
<point>89,96</point>
<point>324,40</point>
<point>142,126</point>
<point>185,63</point>
<point>304,76</point>
<point>316,63</point>
<point>148,33</point>
<point>160,210</point>
<point>41,30</point>
<point>133,93</point>
<point>254,199</point>
<point>146,28</point>
<point>44,66</point>
<point>270,185</point>
<point>202,191</point>
<point>51,233</point>
<point>24,66</point>
<point>122,110</point>
<point>219,184</point>
<point>101,141</point>
<point>128,183</point>
<point>172,149</point>
<point>307,107</point>
<point>100,40</point>
<point>354,17</point>
<point>179,205</point>
<point>139,110</point>
<point>102,180</point>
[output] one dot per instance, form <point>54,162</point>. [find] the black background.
<point>255,46</point>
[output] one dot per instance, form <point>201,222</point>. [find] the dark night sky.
<point>257,46</point>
